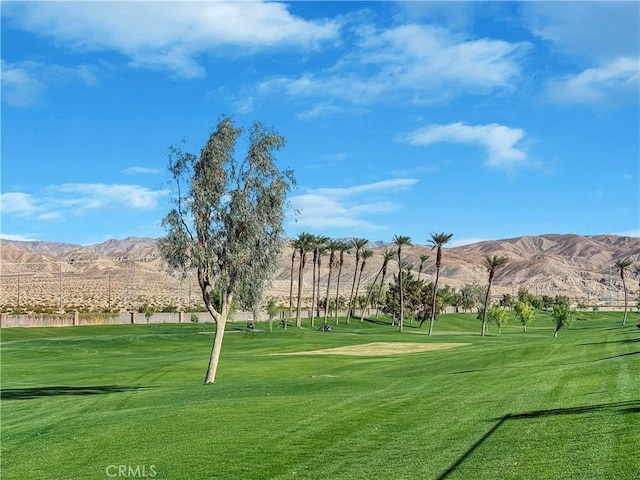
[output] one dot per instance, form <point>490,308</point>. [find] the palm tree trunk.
<point>624,287</point>
<point>293,258</point>
<point>338,293</point>
<point>486,305</point>
<point>435,297</point>
<point>384,274</point>
<point>313,286</point>
<point>369,295</point>
<point>353,286</point>
<point>318,290</point>
<point>299,302</point>
<point>355,298</point>
<point>328,300</point>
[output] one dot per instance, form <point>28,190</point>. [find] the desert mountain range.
<point>124,274</point>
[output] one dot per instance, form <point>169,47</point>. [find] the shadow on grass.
<point>624,340</point>
<point>375,321</point>
<point>37,392</point>
<point>616,407</point>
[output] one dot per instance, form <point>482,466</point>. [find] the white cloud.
<point>141,171</point>
<point>20,87</point>
<point>500,142</point>
<point>347,208</point>
<point>598,85</point>
<point>16,238</point>
<point>630,233</point>
<point>23,83</point>
<point>416,63</point>
<point>58,201</point>
<point>319,110</point>
<point>169,35</point>
<point>599,31</point>
<point>18,203</point>
<point>99,195</point>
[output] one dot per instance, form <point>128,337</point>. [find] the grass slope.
<point>76,401</point>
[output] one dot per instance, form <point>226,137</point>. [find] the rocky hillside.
<point>123,274</point>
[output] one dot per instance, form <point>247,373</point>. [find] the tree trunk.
<point>221,321</point>
<point>313,286</point>
<point>326,306</point>
<point>624,287</point>
<point>300,278</point>
<point>353,286</point>
<point>338,293</point>
<point>215,351</point>
<point>435,297</point>
<point>486,305</point>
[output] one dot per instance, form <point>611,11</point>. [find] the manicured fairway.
<point>86,402</point>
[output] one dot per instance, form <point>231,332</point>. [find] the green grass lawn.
<point>81,402</point>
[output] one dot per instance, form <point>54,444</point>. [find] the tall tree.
<point>492,263</point>
<point>365,255</point>
<point>423,259</point>
<point>304,244</point>
<point>636,273</point>
<point>401,241</point>
<point>321,247</point>
<point>437,240</point>
<point>227,220</point>
<point>387,256</point>
<point>525,313</point>
<point>358,244</point>
<point>293,262</point>
<point>342,247</point>
<point>622,266</point>
<point>333,246</point>
<point>315,244</point>
<point>561,314</point>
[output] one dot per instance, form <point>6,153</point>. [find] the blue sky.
<point>487,120</point>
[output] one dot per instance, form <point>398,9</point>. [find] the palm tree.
<point>400,241</point>
<point>636,273</point>
<point>294,249</point>
<point>358,244</point>
<point>333,246</point>
<point>322,251</point>
<point>304,244</point>
<point>423,259</point>
<point>437,241</point>
<point>316,245</point>
<point>365,254</point>
<point>492,264</point>
<point>342,247</point>
<point>387,255</point>
<point>622,265</point>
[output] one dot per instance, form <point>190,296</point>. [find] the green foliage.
<point>272,309</point>
<point>228,219</point>
<point>471,295</point>
<point>498,315</point>
<point>148,310</point>
<point>507,301</point>
<point>562,316</point>
<point>194,318</point>
<point>412,296</point>
<point>525,313</point>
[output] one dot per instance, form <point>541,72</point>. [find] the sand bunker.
<point>380,348</point>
